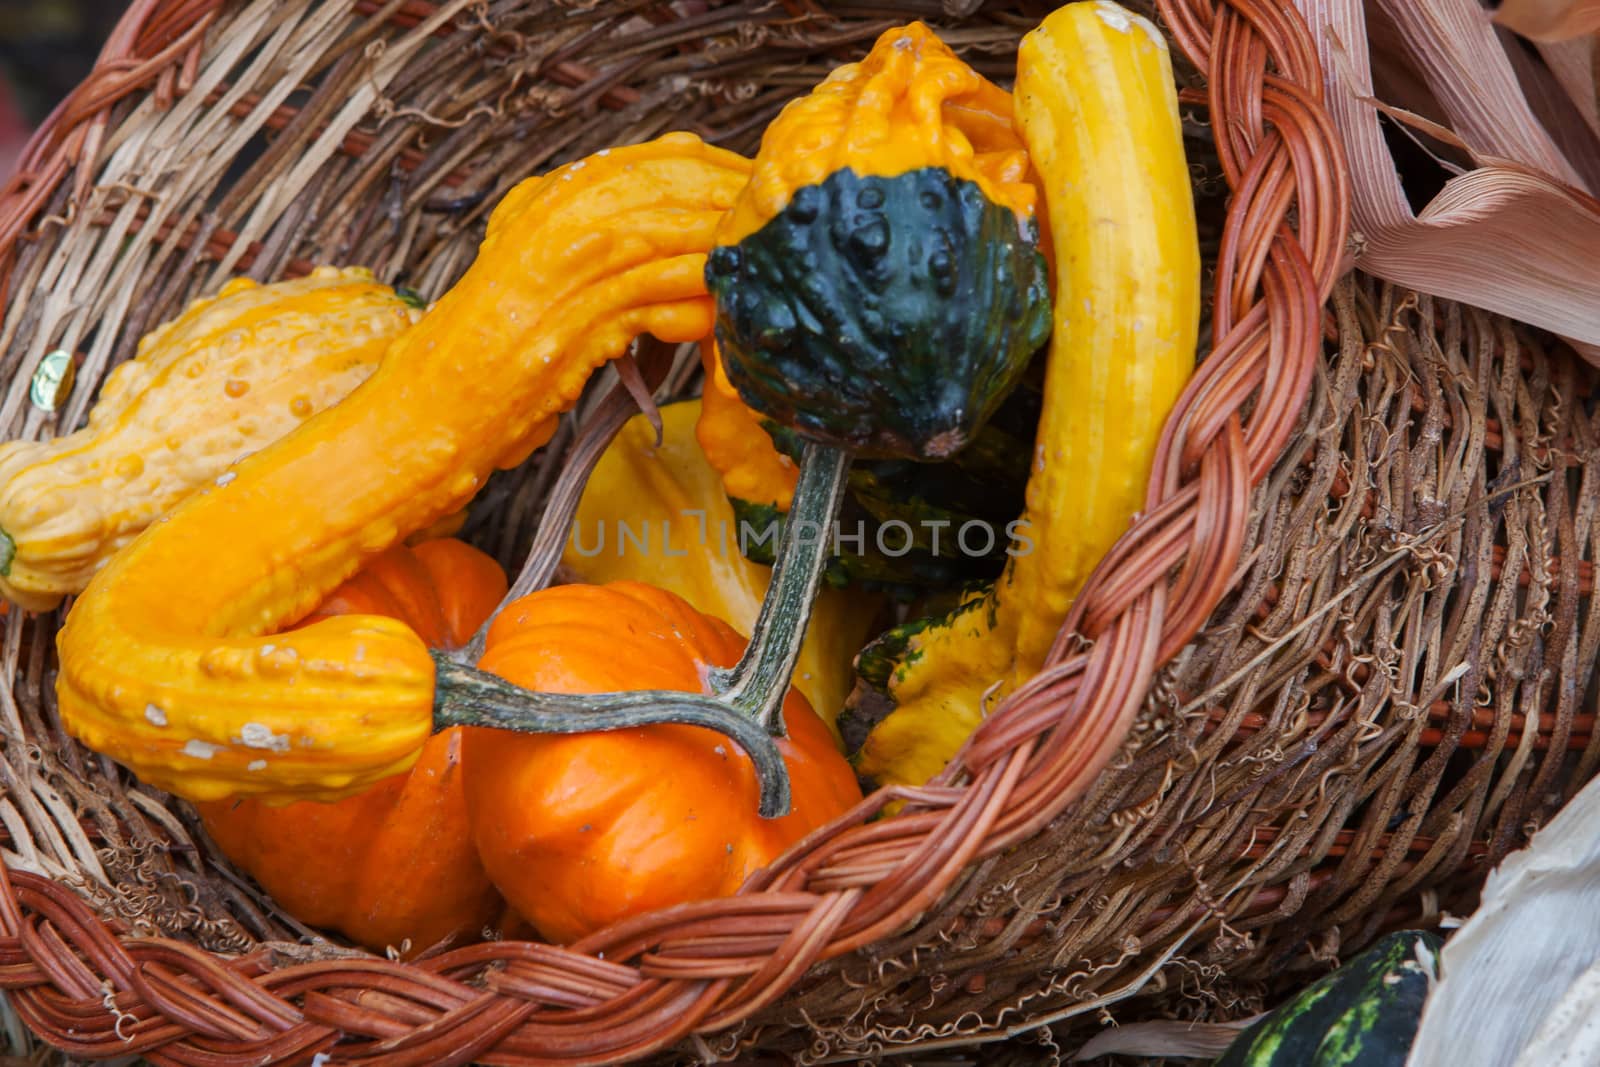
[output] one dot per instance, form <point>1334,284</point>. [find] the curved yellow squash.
<point>169,661</point>
<point>229,376</point>
<point>1095,102</point>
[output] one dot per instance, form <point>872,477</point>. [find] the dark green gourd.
<point>1365,1014</point>
<point>885,315</point>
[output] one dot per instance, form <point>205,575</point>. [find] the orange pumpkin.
<point>580,830</point>
<point>394,864</point>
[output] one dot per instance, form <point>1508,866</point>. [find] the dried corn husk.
<point>1550,20</point>
<point>1521,978</point>
<point>1515,232</point>
<point>1165,1039</point>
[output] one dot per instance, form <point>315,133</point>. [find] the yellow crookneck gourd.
<point>658,514</point>
<point>169,660</point>
<point>1095,102</point>
<point>229,376</point>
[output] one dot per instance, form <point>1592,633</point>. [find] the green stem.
<point>757,684</point>
<point>466,696</point>
<point>748,704</point>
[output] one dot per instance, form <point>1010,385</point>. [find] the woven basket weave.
<point>1372,519</point>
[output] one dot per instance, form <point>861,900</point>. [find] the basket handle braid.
<point>170,662</point>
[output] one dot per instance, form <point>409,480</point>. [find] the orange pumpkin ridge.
<point>395,864</point>
<point>579,831</point>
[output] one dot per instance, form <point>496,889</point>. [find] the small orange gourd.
<point>580,831</point>
<point>393,866</point>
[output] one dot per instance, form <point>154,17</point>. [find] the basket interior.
<point>1399,687</point>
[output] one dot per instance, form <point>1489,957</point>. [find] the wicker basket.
<point>1334,669</point>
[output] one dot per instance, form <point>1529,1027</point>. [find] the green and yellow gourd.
<point>881,289</point>
<point>879,284</point>
<point>1095,103</point>
<point>1365,1014</point>
<point>226,378</point>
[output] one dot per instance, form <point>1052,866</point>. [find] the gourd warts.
<point>887,315</point>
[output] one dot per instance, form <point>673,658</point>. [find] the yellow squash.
<point>229,376</point>
<point>658,514</point>
<point>1095,102</point>
<point>170,660</point>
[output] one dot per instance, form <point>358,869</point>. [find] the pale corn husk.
<point>1517,233</point>
<point>1570,1034</point>
<point>1550,20</point>
<point>1165,1039</point>
<point>1575,65</point>
<point>1520,980</point>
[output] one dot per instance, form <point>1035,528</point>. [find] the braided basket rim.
<point>1036,755</point>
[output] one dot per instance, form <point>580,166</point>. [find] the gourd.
<point>1365,1014</point>
<point>581,831</point>
<point>230,375</point>
<point>169,660</point>
<point>1095,102</point>
<point>657,513</point>
<point>879,284</point>
<point>880,289</point>
<point>393,867</point>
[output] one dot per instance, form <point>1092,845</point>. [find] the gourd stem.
<point>466,696</point>
<point>748,704</point>
<point>757,684</point>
